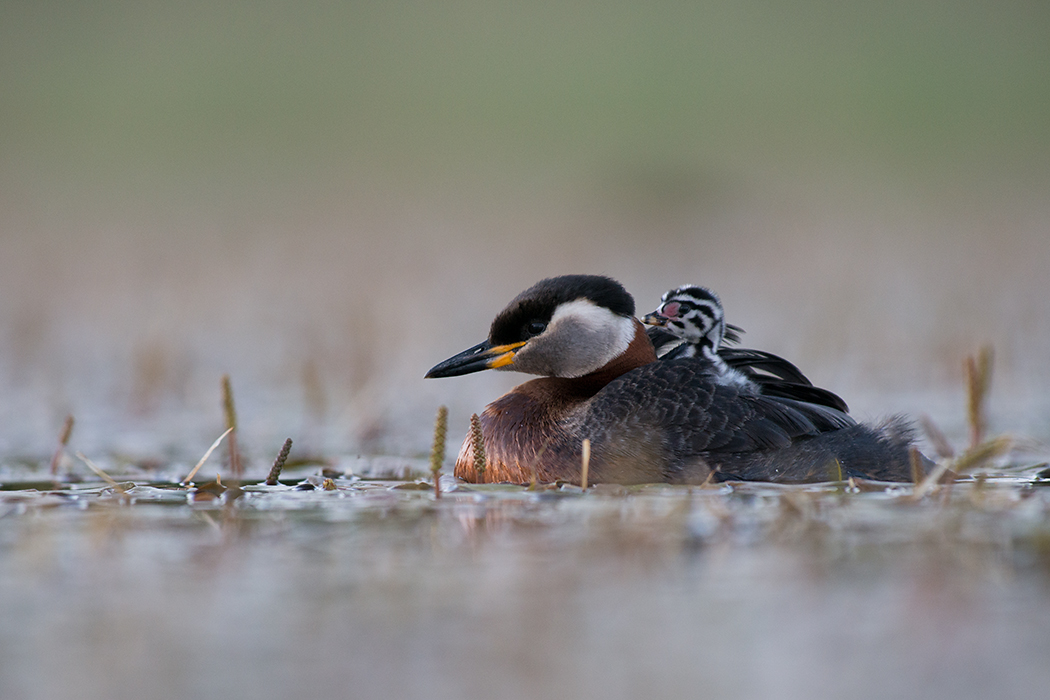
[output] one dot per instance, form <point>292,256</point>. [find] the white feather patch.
<point>610,333</point>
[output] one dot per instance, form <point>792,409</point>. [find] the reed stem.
<point>586,462</point>
<point>231,425</point>
<point>63,442</point>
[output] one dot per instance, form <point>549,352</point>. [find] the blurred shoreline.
<point>327,316</point>
<point>323,200</point>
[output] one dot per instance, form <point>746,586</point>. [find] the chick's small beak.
<point>655,319</point>
<point>484,355</point>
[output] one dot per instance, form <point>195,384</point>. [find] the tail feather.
<point>879,453</point>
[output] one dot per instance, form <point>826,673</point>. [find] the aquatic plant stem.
<point>477,441</point>
<point>278,464</point>
<point>437,452</point>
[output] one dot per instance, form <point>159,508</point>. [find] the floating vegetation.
<point>978,462</point>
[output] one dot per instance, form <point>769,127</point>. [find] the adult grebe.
<point>647,421</point>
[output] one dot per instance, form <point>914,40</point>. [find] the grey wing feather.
<point>825,418</point>
<point>805,393</point>
<point>697,416</point>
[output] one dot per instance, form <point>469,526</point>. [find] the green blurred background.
<point>324,199</point>
<point>141,98</point>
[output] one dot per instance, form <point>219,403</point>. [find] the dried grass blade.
<point>915,461</point>
<point>967,461</point>
<point>936,437</point>
<point>207,454</point>
<point>98,470</point>
<point>983,453</point>
<point>978,381</point>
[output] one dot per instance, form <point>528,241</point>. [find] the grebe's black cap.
<point>535,306</point>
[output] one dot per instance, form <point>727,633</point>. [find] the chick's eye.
<point>536,327</point>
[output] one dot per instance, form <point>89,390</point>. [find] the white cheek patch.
<point>602,335</point>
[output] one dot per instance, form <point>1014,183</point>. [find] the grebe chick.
<point>647,420</point>
<point>690,322</point>
<point>693,323</point>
